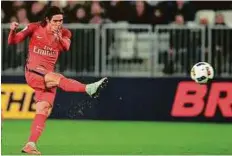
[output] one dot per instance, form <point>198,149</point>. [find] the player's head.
<point>54,18</point>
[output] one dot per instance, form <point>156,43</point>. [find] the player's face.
<point>56,22</point>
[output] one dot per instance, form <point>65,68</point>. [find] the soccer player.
<point>47,39</point>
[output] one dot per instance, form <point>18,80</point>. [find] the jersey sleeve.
<point>15,38</point>
<point>66,33</point>
<point>66,39</point>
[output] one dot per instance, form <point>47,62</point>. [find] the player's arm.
<point>15,37</point>
<point>64,39</point>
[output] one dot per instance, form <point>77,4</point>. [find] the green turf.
<point>114,137</point>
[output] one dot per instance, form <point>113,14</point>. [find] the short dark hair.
<point>53,10</point>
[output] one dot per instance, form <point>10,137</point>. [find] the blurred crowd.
<point>180,44</point>
<point>142,12</point>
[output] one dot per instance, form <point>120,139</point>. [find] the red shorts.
<point>35,79</point>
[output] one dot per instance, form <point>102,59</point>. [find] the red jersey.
<point>44,48</point>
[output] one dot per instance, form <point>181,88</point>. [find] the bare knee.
<point>52,79</point>
<point>43,108</point>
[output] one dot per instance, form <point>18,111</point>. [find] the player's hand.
<point>14,25</point>
<point>58,34</point>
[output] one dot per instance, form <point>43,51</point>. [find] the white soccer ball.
<point>202,72</point>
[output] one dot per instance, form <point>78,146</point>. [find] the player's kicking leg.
<point>70,85</point>
<point>93,88</point>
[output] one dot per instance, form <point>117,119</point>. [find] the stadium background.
<point>150,106</point>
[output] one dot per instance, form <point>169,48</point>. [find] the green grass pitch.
<point>120,137</point>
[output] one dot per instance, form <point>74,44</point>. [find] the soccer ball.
<point>202,72</point>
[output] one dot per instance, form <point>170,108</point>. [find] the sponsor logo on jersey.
<point>46,51</point>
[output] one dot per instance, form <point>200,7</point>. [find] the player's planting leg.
<point>43,110</point>
<point>30,148</point>
<point>70,85</point>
